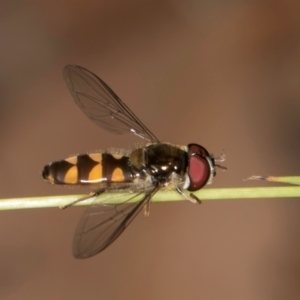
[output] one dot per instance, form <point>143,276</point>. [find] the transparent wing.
<point>102,223</point>
<point>101,105</point>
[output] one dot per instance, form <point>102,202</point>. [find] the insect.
<point>141,172</point>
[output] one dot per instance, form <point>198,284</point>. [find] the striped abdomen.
<point>87,169</point>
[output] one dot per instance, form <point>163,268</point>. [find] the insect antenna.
<point>220,159</point>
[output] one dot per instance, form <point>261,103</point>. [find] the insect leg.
<point>147,209</point>
<point>190,197</point>
<point>90,195</point>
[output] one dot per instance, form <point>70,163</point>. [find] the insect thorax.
<point>163,162</point>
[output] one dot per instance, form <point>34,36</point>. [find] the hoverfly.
<point>141,172</point>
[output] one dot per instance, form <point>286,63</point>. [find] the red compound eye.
<point>197,149</point>
<point>198,169</point>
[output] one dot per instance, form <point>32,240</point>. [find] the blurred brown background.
<point>225,75</point>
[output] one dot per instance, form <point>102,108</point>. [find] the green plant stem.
<point>284,179</point>
<point>163,196</point>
